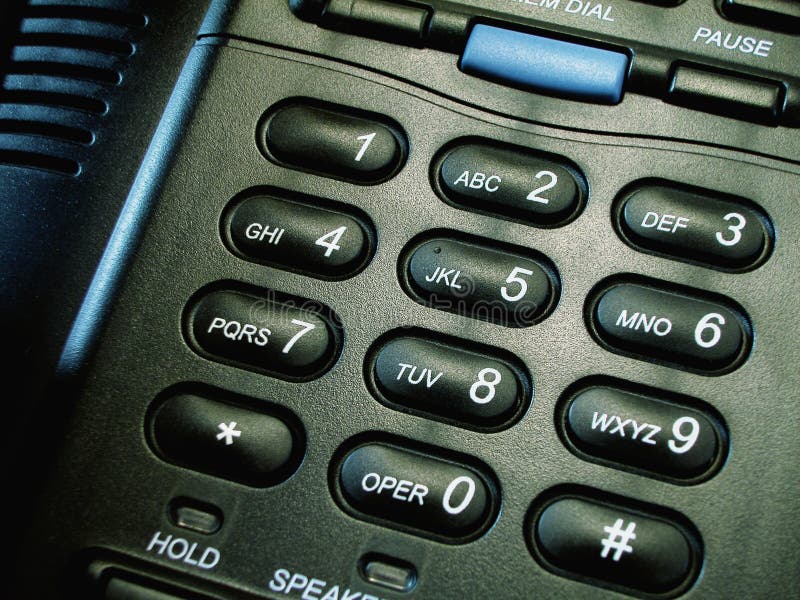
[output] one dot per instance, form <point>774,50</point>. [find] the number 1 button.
<point>333,141</point>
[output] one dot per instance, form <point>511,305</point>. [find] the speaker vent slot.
<point>66,69</point>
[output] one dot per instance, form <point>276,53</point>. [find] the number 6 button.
<point>651,321</point>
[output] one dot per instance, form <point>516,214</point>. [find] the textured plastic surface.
<point>545,65</point>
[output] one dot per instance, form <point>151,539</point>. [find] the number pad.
<point>694,226</point>
<point>333,141</point>
<point>652,322</point>
<point>442,379</point>
<point>416,491</point>
<point>514,287</point>
<point>539,189</point>
<point>299,235</point>
<point>265,331</point>
<point>620,425</point>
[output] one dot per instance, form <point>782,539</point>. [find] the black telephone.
<point>384,299</point>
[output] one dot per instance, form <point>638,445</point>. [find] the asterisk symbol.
<point>228,432</point>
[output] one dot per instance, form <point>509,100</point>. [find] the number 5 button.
<point>651,321</point>
<point>333,141</point>
<point>510,286</point>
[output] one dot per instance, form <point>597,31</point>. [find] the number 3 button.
<point>298,235</point>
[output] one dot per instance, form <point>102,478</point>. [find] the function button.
<point>395,575</point>
<point>334,141</point>
<point>644,431</point>
<point>694,226</point>
<point>514,288</point>
<point>411,490</point>
<point>265,332</point>
<point>614,544</point>
<point>511,182</point>
<point>781,15</point>
<point>727,94</point>
<point>199,517</point>
<point>382,19</point>
<point>652,322</point>
<point>227,441</point>
<point>447,381</point>
<point>299,235</point>
<point>545,65</point>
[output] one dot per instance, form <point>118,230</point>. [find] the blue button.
<point>545,65</point>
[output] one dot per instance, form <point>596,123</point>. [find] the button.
<point>512,182</point>
<point>545,65</point>
<point>199,517</point>
<point>695,226</point>
<point>652,322</point>
<point>227,441</point>
<point>614,544</point>
<point>299,235</point>
<point>406,489</point>
<point>514,288</point>
<point>782,15</point>
<point>443,379</point>
<point>388,572</point>
<point>642,429</point>
<point>384,20</point>
<point>123,589</point>
<point>730,95</point>
<point>265,332</point>
<point>334,142</point>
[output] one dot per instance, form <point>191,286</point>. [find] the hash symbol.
<point>618,539</point>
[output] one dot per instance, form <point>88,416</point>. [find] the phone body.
<point>384,316</point>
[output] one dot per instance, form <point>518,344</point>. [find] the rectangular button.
<point>726,94</point>
<point>545,65</point>
<point>782,15</point>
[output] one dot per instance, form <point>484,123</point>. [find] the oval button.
<point>446,381</point>
<point>299,235</point>
<point>694,226</point>
<point>512,182</point>
<point>514,288</point>
<point>227,441</point>
<point>612,543</point>
<point>265,332</point>
<point>639,429</point>
<point>410,490</point>
<point>653,322</point>
<point>333,141</point>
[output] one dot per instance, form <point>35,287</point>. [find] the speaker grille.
<point>66,65</point>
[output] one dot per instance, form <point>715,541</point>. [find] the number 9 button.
<point>694,226</point>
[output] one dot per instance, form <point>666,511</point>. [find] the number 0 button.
<point>653,322</point>
<point>411,490</point>
<point>333,141</point>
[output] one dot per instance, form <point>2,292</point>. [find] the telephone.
<point>386,299</point>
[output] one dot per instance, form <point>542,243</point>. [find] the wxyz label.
<point>626,428</point>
